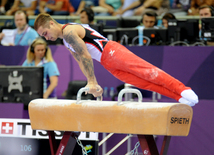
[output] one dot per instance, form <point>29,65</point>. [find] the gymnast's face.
<point>49,32</point>
<point>39,51</point>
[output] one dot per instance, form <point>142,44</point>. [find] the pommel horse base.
<point>144,119</point>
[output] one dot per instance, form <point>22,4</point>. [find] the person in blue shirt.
<point>39,54</point>
<point>23,35</point>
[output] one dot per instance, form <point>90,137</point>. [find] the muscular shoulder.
<point>74,30</point>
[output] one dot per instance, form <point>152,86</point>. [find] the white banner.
<point>21,128</point>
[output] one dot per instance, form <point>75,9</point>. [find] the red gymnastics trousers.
<point>131,69</point>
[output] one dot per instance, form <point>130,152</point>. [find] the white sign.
<point>21,128</point>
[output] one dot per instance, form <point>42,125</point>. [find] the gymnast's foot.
<point>190,96</point>
<point>183,100</point>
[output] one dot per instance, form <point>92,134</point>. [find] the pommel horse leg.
<point>149,146</point>
<point>66,145</point>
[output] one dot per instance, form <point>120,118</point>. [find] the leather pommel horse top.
<point>152,118</point>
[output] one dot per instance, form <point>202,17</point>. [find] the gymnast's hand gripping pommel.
<point>85,89</point>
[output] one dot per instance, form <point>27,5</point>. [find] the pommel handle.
<point>129,90</point>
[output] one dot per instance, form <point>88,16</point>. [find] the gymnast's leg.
<point>125,65</point>
<point>143,84</point>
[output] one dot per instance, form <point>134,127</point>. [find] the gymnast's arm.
<point>73,35</point>
<point>80,64</point>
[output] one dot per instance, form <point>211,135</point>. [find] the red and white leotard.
<point>94,41</point>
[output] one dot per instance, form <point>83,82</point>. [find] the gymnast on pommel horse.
<point>85,43</point>
<point>143,119</point>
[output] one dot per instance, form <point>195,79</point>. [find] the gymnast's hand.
<point>95,90</point>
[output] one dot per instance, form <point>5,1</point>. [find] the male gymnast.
<point>86,44</point>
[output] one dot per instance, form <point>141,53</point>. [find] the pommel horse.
<point>144,119</point>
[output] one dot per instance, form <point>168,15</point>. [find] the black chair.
<point>73,88</point>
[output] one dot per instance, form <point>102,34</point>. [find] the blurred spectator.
<point>39,54</point>
<point>111,6</point>
<point>204,12</point>
<point>141,6</point>
<point>29,6</point>
<point>149,19</point>
<point>166,18</point>
<point>5,5</point>
<point>87,16</point>
<point>123,12</point>
<point>195,4</point>
<point>56,7</point>
<point>84,4</point>
<point>23,34</point>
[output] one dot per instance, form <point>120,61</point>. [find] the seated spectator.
<point>149,20</point>
<point>141,6</point>
<point>204,12</point>
<point>195,4</point>
<point>23,34</point>
<point>111,6</point>
<point>29,6</point>
<point>85,4</point>
<point>165,19</point>
<point>87,16</point>
<point>55,7</point>
<point>39,54</point>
